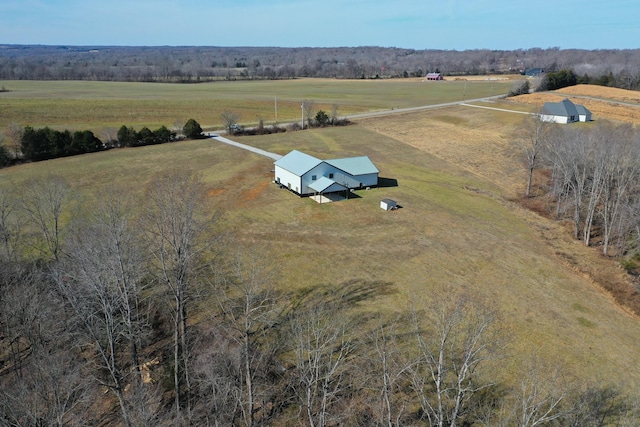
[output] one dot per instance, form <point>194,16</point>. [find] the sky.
<point>411,24</point>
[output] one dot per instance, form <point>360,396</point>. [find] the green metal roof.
<point>297,162</point>
<point>355,165</point>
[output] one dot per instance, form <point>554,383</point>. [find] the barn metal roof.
<point>324,184</point>
<point>355,165</point>
<point>297,162</point>
<point>564,108</point>
<point>582,110</point>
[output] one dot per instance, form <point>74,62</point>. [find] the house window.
<point>330,176</point>
<point>313,177</point>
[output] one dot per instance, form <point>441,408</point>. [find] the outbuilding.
<point>307,175</point>
<point>434,76</point>
<point>388,204</point>
<point>564,112</point>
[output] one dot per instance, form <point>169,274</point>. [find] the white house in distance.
<point>306,175</point>
<point>564,112</point>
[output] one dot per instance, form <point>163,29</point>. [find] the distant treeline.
<point>612,67</point>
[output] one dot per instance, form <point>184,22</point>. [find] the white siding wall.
<point>369,180</point>
<point>319,171</point>
<point>288,179</point>
<point>554,119</point>
<point>301,184</point>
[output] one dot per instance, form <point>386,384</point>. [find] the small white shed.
<point>388,204</point>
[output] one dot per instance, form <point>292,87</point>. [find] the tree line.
<point>147,312</point>
<point>197,64</point>
<point>593,182</point>
<point>30,144</point>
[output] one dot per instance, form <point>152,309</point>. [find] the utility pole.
<point>302,108</point>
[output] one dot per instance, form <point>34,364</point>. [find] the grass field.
<point>457,231</point>
<point>99,105</point>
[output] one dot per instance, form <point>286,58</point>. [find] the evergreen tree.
<point>192,129</point>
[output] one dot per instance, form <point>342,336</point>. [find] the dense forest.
<point>194,64</point>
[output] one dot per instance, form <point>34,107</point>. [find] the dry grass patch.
<point>608,107</point>
<point>479,141</point>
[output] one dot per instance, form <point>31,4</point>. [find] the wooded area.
<point>195,64</point>
<point>591,178</point>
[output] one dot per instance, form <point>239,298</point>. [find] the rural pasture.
<point>459,231</point>
<point>99,105</point>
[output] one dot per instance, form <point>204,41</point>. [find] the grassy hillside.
<point>456,232</point>
<point>456,175</point>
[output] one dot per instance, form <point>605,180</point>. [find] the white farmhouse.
<point>564,112</point>
<point>306,175</point>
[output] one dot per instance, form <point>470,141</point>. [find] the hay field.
<point>99,105</point>
<point>604,102</point>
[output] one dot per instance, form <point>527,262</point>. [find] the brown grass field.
<point>459,230</point>
<point>604,102</point>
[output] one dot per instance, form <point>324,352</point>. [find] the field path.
<point>497,109</point>
<point>424,107</point>
<point>217,137</point>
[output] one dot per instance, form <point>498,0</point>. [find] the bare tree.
<point>53,391</point>
<point>539,398</point>
<point>334,114</point>
<point>308,111</point>
<point>444,373</point>
<point>569,160</point>
<point>176,227</point>
<point>43,201</point>
<point>230,120</point>
<point>249,306</point>
<point>177,127</point>
<point>597,405</point>
<point>322,352</point>
<point>123,260</point>
<point>42,374</point>
<point>9,225</point>
<point>622,171</point>
<point>534,138</point>
<point>218,376</point>
<point>14,132</point>
<point>109,136</point>
<point>389,368</point>
<point>101,281</point>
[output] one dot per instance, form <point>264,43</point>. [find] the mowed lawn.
<point>101,105</point>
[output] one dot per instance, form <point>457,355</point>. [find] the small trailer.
<point>388,204</point>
